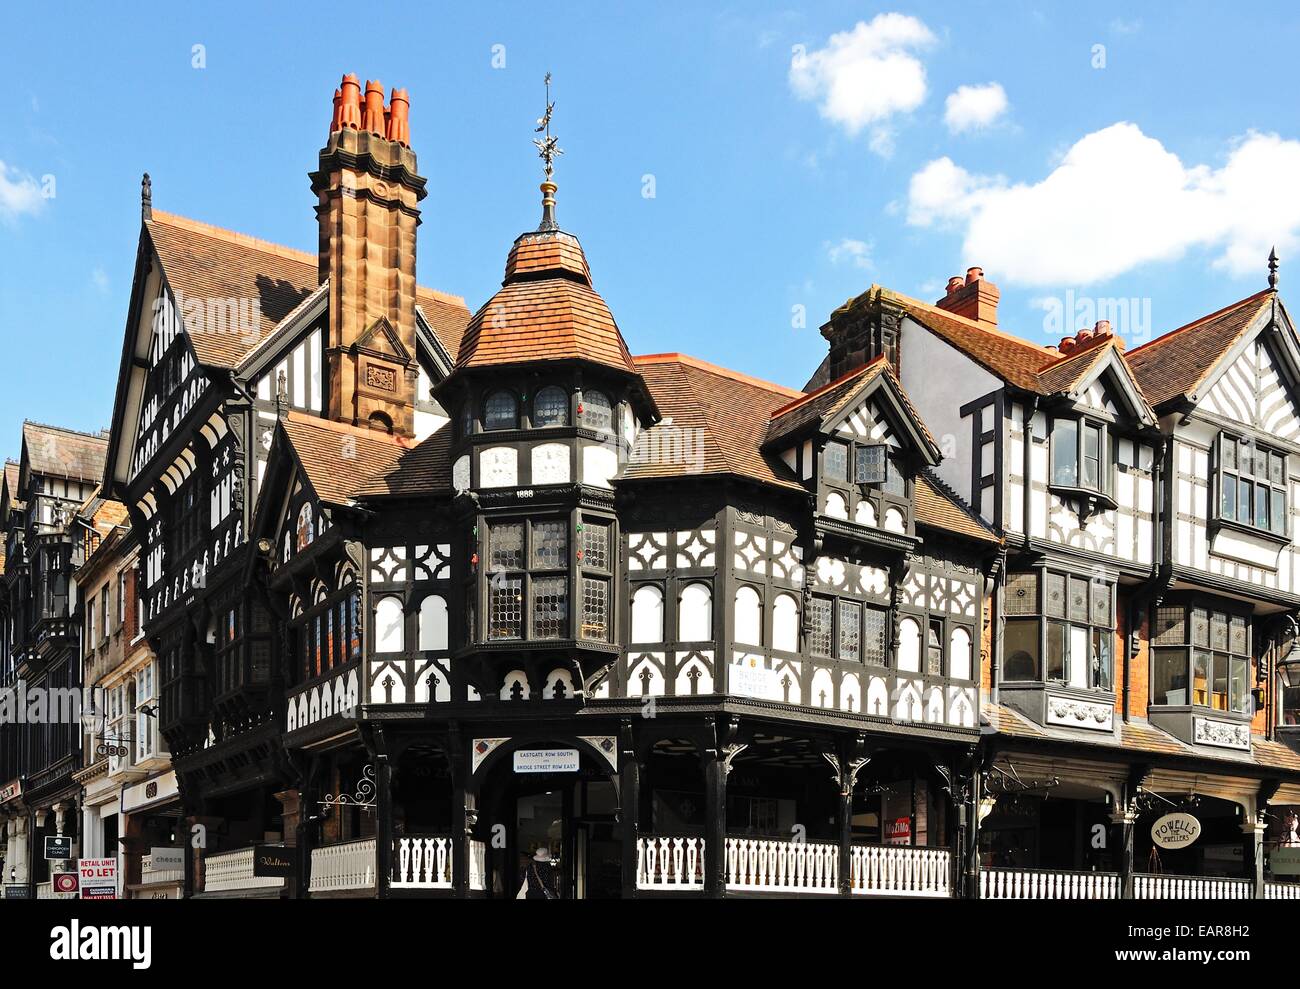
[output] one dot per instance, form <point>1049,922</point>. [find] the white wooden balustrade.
<point>898,870</point>
<point>760,865</point>
<point>45,891</point>
<point>422,862</point>
<point>227,872</point>
<point>477,865</point>
<point>349,866</point>
<point>1047,884</point>
<point>1282,891</point>
<point>1149,887</point>
<point>669,863</point>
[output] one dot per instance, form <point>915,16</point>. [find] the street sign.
<point>98,879</point>
<point>546,760</point>
<point>274,862</point>
<point>17,891</point>
<point>58,847</point>
<point>66,882</point>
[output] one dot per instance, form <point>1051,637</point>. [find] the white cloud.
<point>99,278</point>
<point>867,75</point>
<point>974,107</point>
<point>19,193</point>
<point>858,252</point>
<point>1116,200</point>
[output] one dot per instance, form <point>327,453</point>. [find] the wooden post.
<point>844,824</point>
<point>1252,855</point>
<point>715,824</point>
<point>1121,837</point>
<point>629,791</point>
<point>384,837</point>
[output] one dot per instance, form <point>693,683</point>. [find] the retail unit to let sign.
<point>98,879</point>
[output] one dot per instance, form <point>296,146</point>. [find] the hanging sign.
<point>58,847</point>
<point>546,760</point>
<point>1177,830</point>
<point>167,858</point>
<point>66,882</point>
<point>274,862</point>
<point>1285,860</point>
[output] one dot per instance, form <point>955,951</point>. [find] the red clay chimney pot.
<point>974,274</point>
<point>1102,328</point>
<point>336,120</point>
<point>1067,345</point>
<point>373,118</point>
<point>350,108</point>
<point>399,118</point>
<point>954,283</point>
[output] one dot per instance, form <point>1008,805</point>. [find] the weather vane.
<point>548,148</point>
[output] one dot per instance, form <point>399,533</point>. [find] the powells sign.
<point>1175,830</point>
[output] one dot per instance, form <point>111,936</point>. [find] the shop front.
<point>153,839</point>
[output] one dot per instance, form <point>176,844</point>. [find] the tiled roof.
<point>1275,754</point>
<point>1065,375</point>
<point>207,262</point>
<point>715,421</point>
<point>546,309</point>
<point>1173,365</point>
<point>939,507</point>
<point>11,481</point>
<point>421,471</point>
<point>57,452</point>
<point>340,459</point>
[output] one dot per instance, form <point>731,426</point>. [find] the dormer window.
<point>551,407</point>
<point>1251,481</point>
<point>501,411</point>
<point>1080,455</point>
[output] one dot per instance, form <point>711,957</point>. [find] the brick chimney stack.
<point>368,191</point>
<point>972,297</point>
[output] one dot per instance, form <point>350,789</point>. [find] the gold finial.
<point>548,149</point>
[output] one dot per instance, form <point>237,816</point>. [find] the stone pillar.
<point>134,846</point>
<point>1121,839</point>
<point>1252,854</point>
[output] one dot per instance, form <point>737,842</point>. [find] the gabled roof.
<point>12,468</point>
<point>1173,365</point>
<point>1074,374</point>
<point>421,471</point>
<point>57,452</point>
<point>546,309</point>
<point>206,262</point>
<point>825,404</point>
<point>714,417</point>
<point>340,459</point>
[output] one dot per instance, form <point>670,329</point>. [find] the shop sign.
<point>898,831</point>
<point>167,858</point>
<point>58,847</point>
<point>274,862</point>
<point>752,679</point>
<point>98,879</point>
<point>17,891</point>
<point>1177,830</point>
<point>546,760</point>
<point>1285,861</point>
<point>65,882</point>
<point>11,790</point>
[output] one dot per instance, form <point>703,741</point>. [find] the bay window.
<point>1060,627</point>
<point>1252,484</point>
<point>1200,657</point>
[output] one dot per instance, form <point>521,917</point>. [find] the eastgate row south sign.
<point>546,760</point>
<point>1176,830</point>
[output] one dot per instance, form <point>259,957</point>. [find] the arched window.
<point>695,614</point>
<point>306,526</point>
<point>648,614</point>
<point>597,412</point>
<point>501,411</point>
<point>909,645</point>
<point>380,422</point>
<point>749,617</point>
<point>390,631</point>
<point>433,623</point>
<point>959,654</point>
<point>785,624</point>
<point>551,407</point>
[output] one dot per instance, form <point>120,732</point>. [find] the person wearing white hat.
<point>538,879</point>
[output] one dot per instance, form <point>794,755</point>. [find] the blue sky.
<point>796,156</point>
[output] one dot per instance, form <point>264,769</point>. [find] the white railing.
<point>149,876</point>
<point>670,863</point>
<point>1047,884</point>
<point>477,865</point>
<point>350,865</point>
<point>1149,887</point>
<point>422,862</point>
<point>760,865</point>
<point>897,870</point>
<point>45,891</point>
<point>227,871</point>
<point>1281,891</point>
